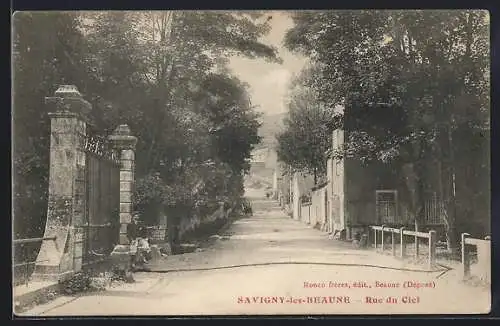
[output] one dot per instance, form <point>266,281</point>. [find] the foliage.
<point>422,76</point>
<point>191,116</point>
<point>164,74</point>
<point>306,137</point>
<point>46,49</point>
<point>82,282</point>
<point>305,198</point>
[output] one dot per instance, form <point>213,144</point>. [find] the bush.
<point>305,198</point>
<point>83,282</point>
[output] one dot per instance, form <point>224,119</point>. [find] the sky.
<point>269,81</point>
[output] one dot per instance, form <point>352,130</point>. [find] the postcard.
<point>266,162</point>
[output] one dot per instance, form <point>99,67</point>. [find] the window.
<point>386,206</point>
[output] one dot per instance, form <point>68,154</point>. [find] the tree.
<point>164,74</point>
<point>306,137</point>
<point>188,117</point>
<point>234,123</point>
<point>47,50</point>
<point>432,66</point>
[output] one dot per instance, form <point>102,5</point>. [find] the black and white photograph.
<point>251,162</point>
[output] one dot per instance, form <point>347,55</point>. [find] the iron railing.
<point>27,264</point>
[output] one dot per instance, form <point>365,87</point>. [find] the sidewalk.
<point>33,293</point>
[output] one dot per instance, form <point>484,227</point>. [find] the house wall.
<point>284,189</point>
<point>329,195</point>
<point>360,186</point>
<point>337,196</point>
<point>361,183</point>
<point>305,213</point>
<point>352,186</point>
<point>318,215</point>
<point>301,185</point>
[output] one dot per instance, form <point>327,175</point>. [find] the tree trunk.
<point>420,178</point>
<point>419,195</point>
<point>451,229</point>
<point>444,158</point>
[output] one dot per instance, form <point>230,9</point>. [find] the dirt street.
<point>270,264</point>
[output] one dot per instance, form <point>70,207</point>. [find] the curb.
<point>35,297</point>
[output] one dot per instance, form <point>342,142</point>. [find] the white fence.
<point>402,237</point>
<point>481,251</point>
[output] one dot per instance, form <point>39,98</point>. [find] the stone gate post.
<point>124,143</point>
<point>60,254</point>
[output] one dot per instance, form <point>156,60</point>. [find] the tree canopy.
<point>165,74</point>
<point>430,70</point>
<point>305,140</point>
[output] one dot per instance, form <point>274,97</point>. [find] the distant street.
<point>271,264</point>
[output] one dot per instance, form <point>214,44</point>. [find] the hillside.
<point>271,125</point>
<point>264,156</point>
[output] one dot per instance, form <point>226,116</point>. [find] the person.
<point>139,243</point>
<point>247,208</point>
<point>132,228</point>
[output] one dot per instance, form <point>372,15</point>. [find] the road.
<point>269,264</point>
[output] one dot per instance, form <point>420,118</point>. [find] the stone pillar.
<point>124,143</point>
<point>66,203</point>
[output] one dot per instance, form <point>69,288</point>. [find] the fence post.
<point>393,243</point>
<point>465,257</point>
<point>382,238</point>
<point>375,238</point>
<point>66,203</point>
<point>416,243</point>
<point>27,276</point>
<point>124,143</point>
<point>488,255</point>
<point>402,250</point>
<point>432,249</point>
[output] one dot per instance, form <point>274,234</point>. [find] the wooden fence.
<point>477,252</point>
<point>400,238</point>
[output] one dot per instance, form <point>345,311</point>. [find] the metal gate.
<point>102,214</point>
<point>386,203</point>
